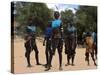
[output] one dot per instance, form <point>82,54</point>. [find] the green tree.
<point>86,19</point>
<point>40,13</point>
<point>67,16</point>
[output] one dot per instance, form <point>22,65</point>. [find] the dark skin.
<point>71,55</point>
<point>30,45</point>
<point>29,48</point>
<point>47,42</point>
<point>59,47</point>
<point>48,51</point>
<point>92,53</point>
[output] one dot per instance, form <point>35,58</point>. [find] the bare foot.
<point>95,64</point>
<point>29,66</point>
<point>38,64</point>
<point>67,64</point>
<point>73,64</point>
<point>60,68</point>
<point>47,69</point>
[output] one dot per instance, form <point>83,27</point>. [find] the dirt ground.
<point>20,63</point>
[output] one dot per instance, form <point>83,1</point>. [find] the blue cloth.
<point>56,23</point>
<point>48,32</point>
<point>31,29</point>
<point>71,29</point>
<point>94,36</point>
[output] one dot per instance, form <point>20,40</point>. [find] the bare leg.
<point>73,59</point>
<point>92,55</point>
<point>68,60</point>
<point>60,61</point>
<point>87,58</point>
<point>27,55</point>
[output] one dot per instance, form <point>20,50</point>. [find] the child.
<point>47,39</point>
<point>30,43</point>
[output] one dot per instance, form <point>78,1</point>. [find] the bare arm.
<point>44,41</point>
